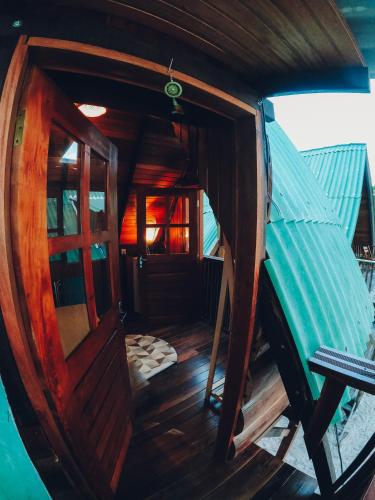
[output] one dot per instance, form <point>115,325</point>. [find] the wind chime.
<point>173,90</point>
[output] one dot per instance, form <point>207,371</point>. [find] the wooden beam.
<point>142,64</point>
<point>287,442</point>
<point>357,462</point>
<point>226,282</point>
<point>249,254</point>
<point>326,407</point>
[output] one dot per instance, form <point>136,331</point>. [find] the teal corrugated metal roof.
<point>310,261</point>
<point>210,227</point>
<point>18,476</point>
<point>340,171</point>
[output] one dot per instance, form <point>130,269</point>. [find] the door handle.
<point>141,260</point>
<point>122,312</point>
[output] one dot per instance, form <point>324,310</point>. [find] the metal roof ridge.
<point>334,148</point>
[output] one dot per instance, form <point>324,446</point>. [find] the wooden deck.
<point>171,454</point>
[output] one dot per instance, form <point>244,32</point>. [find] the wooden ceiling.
<point>161,160</point>
<point>257,38</point>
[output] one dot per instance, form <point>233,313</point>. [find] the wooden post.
<point>250,209</point>
<point>325,409</point>
<point>226,282</point>
<point>288,440</point>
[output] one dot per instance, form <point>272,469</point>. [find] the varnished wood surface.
<point>252,38</point>
<point>171,455</point>
<point>248,251</point>
<point>148,72</point>
<point>289,484</point>
<point>97,450</point>
<point>17,331</point>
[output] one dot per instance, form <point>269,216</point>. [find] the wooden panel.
<point>171,289</point>
<point>254,38</point>
<point>104,394</point>
<point>267,387</point>
<point>267,403</point>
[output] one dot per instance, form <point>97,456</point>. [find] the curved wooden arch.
<point>250,206</point>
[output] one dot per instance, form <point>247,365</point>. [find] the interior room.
<point>175,211</point>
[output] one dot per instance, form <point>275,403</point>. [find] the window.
<point>77,313</point>
<point>211,232</point>
<point>100,270</point>
<point>63,184</point>
<point>167,224</point>
<point>98,193</point>
<point>68,289</point>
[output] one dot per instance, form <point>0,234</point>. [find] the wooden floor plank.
<point>171,455</point>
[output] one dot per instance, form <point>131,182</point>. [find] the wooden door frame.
<point>250,203</point>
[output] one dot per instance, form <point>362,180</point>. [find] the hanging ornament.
<point>173,90</point>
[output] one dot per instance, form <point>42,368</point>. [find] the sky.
<point>317,120</point>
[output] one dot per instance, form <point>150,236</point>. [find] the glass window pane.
<point>70,299</point>
<point>155,240</point>
<point>156,209</point>
<point>179,240</point>
<point>102,283</point>
<point>98,193</point>
<point>63,184</point>
<point>180,210</point>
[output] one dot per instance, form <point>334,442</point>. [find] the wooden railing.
<point>364,251</point>
<point>365,255</point>
<point>340,370</point>
<point>368,271</point>
<point>212,270</point>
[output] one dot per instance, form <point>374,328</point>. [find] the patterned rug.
<point>149,355</point>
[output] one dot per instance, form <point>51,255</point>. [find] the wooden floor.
<point>171,454</point>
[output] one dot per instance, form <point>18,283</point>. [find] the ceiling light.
<point>91,110</point>
<point>17,23</point>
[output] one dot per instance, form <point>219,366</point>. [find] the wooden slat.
<point>262,37</point>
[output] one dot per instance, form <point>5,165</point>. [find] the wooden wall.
<point>216,155</point>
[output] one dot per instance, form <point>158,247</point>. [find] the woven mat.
<point>149,355</point>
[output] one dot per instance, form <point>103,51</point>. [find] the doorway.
<point>58,367</point>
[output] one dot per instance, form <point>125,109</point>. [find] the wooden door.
<point>65,237</point>
<point>168,268</point>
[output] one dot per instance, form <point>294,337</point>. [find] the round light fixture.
<point>17,23</point>
<point>92,111</point>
